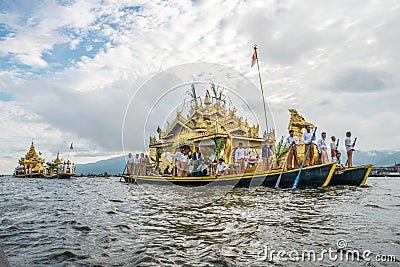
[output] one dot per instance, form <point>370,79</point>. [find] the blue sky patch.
<point>63,56</point>
<point>5,97</point>
<point>5,31</point>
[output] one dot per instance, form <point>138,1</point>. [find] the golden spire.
<point>31,153</point>
<point>207,98</point>
<point>57,160</point>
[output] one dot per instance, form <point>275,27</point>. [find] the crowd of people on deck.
<point>138,164</point>
<point>63,168</point>
<point>188,163</point>
<point>292,142</point>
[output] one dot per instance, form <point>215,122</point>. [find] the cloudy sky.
<point>68,69</point>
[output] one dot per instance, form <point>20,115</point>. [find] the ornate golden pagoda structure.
<point>31,165</point>
<point>211,126</point>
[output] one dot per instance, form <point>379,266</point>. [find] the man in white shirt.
<point>136,164</point>
<point>130,164</point>
<point>307,141</point>
<point>221,167</point>
<point>339,162</point>
<point>334,147</point>
<point>322,149</point>
<point>292,158</point>
<point>349,148</point>
<point>240,154</point>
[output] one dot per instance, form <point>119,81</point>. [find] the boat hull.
<point>32,175</point>
<point>65,175</point>
<point>355,176</point>
<point>314,176</point>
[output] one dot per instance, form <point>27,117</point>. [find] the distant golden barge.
<point>33,166</point>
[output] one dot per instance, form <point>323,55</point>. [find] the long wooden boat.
<point>356,176</point>
<point>65,175</point>
<point>30,175</point>
<point>391,174</point>
<point>314,176</point>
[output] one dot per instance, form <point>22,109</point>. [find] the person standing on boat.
<point>195,157</point>
<point>177,158</point>
<point>322,148</point>
<point>349,147</point>
<point>130,164</point>
<point>142,165</point>
<point>221,167</point>
<point>184,163</point>
<point>240,154</point>
<point>266,154</point>
<point>136,162</point>
<point>292,159</point>
<point>334,148</point>
<point>307,141</point>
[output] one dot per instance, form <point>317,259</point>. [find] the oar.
<point>120,178</point>
<point>354,144</point>
<point>126,165</point>
<point>280,175</point>
<point>337,148</point>
<point>296,181</point>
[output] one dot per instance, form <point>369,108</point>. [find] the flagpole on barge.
<point>255,58</point>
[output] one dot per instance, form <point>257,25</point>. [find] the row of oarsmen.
<point>292,142</point>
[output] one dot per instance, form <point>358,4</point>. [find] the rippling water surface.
<point>102,222</point>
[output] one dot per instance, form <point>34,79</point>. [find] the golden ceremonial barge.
<point>215,132</point>
<point>33,166</point>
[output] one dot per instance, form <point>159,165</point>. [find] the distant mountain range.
<point>116,165</point>
<point>111,166</point>
<point>376,157</point>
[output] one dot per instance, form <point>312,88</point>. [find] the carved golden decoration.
<point>204,122</point>
<point>297,123</point>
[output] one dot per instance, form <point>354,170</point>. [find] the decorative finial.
<point>207,98</point>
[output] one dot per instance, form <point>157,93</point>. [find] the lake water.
<point>102,222</point>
